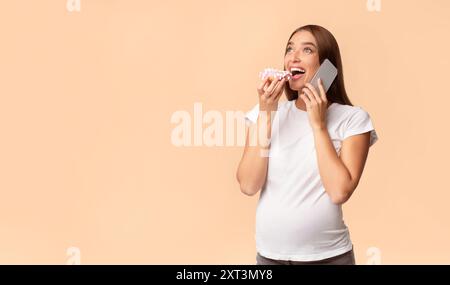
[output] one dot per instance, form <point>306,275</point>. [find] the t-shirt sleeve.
<point>359,123</point>
<point>252,116</point>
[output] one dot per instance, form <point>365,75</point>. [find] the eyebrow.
<point>303,43</point>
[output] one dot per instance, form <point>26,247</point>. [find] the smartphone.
<point>327,72</point>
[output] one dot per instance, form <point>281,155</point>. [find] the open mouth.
<point>297,72</point>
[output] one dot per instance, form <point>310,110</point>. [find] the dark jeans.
<point>347,258</point>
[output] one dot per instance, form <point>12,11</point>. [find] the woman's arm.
<point>252,170</point>
<point>341,175</point>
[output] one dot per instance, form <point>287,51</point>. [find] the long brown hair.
<point>328,48</point>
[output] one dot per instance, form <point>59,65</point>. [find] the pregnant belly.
<point>313,227</point>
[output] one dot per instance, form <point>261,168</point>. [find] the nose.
<point>294,59</point>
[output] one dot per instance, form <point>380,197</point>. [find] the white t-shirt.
<point>295,218</point>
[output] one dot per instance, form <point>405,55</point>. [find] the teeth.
<point>297,69</point>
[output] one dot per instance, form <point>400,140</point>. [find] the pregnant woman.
<point>309,160</point>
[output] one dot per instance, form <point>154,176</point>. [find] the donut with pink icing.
<point>275,73</point>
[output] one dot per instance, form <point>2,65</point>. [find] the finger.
<point>262,85</point>
<point>274,92</point>
<point>277,97</point>
<point>279,92</point>
<point>310,96</point>
<point>271,87</point>
<point>323,94</point>
<point>306,100</point>
<point>280,86</point>
<point>314,92</point>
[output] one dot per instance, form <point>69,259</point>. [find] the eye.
<point>288,49</point>
<point>307,50</point>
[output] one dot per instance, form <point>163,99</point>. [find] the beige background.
<point>86,100</point>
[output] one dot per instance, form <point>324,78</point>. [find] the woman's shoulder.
<point>351,120</point>
<point>343,110</point>
<point>340,114</point>
<point>253,113</point>
<point>282,106</point>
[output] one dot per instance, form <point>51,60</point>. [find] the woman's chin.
<point>296,87</point>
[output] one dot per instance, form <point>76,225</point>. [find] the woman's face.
<point>301,59</point>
